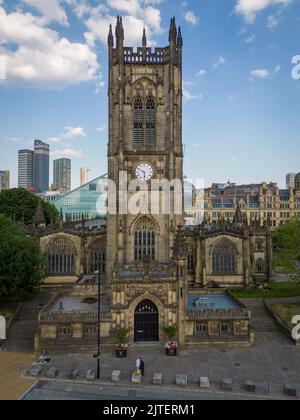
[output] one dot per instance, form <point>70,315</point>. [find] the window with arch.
<point>144,240</point>
<point>61,257</point>
<point>98,257</point>
<point>150,121</point>
<point>260,266</point>
<point>144,122</point>
<point>138,118</point>
<point>224,258</point>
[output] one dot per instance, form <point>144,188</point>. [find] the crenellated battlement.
<point>146,55</point>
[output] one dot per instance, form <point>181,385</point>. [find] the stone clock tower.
<point>145,136</point>
<point>145,143</point>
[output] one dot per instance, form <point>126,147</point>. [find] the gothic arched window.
<point>138,118</point>
<point>144,121</point>
<point>150,121</point>
<point>144,240</point>
<point>98,257</point>
<point>61,257</point>
<point>224,258</point>
<point>260,266</point>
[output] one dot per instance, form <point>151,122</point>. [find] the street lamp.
<point>98,273</point>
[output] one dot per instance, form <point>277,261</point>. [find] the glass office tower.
<point>41,159</point>
<point>62,175</point>
<point>26,176</point>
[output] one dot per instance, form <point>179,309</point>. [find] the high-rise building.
<point>26,172</point>
<point>4,180</point>
<point>83,176</point>
<point>290,180</point>
<point>62,175</point>
<point>41,162</point>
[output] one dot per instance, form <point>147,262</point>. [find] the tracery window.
<point>98,257</point>
<point>144,122</point>
<point>144,240</point>
<point>138,118</point>
<point>61,257</point>
<point>150,121</point>
<point>224,258</point>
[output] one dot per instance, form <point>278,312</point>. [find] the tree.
<point>21,262</point>
<point>121,335</point>
<point>170,332</point>
<point>286,242</point>
<point>20,205</point>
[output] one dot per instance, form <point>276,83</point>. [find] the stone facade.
<point>153,267</point>
<point>261,202</point>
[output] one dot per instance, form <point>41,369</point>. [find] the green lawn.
<point>277,290</point>
<point>287,312</point>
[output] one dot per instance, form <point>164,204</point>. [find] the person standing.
<point>142,367</point>
<point>138,363</point>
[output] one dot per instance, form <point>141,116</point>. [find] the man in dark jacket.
<point>142,367</point>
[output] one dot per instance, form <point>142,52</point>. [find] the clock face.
<point>144,172</point>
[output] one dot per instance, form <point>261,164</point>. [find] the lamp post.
<point>98,273</point>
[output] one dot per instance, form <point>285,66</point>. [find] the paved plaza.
<point>272,362</point>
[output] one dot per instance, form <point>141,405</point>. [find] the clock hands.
<point>139,169</point>
<point>144,172</point>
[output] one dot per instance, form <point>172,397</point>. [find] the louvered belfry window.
<point>144,121</point>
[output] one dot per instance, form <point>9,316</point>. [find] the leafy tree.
<point>286,242</point>
<point>20,205</point>
<point>121,335</point>
<point>21,263</point>
<point>170,332</point>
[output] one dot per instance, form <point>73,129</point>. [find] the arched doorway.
<point>146,322</point>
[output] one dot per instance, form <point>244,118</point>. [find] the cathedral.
<point>155,271</point>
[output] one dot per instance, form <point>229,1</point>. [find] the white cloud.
<point>68,153</point>
<point>190,17</point>
<point>260,74</point>
<point>219,62</point>
<point>250,39</point>
<point>249,8</point>
<point>101,129</point>
<point>134,18</point>
<point>189,96</point>
<point>72,132</point>
<point>277,69</point>
<point>69,134</point>
<point>201,73</point>
<point>42,58</point>
<point>272,23</point>
<point>51,10</point>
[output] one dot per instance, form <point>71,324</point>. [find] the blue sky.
<point>241,104</point>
